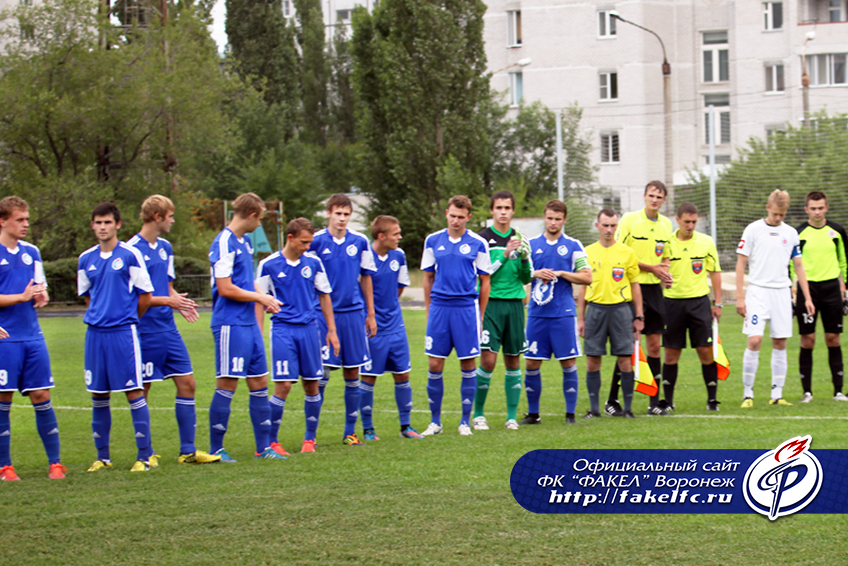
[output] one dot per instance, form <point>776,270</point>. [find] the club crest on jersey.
<point>741,245</point>
<point>562,250</point>
<point>464,249</point>
<point>831,234</point>
<point>117,264</point>
<point>618,273</point>
<point>697,266</point>
<point>163,254</point>
<point>306,271</point>
<point>27,259</point>
<point>394,265</point>
<point>658,249</point>
<point>351,250</point>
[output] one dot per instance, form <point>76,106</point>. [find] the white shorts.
<point>764,304</point>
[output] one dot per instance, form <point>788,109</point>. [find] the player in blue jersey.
<point>239,350</point>
<point>113,278</point>
<point>390,348</point>
<point>347,257</point>
<point>559,261</point>
<point>296,277</point>
<point>163,352</point>
<point>24,361</point>
<point>453,261</point>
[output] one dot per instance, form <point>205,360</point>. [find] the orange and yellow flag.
<point>718,354</point>
<point>644,378</point>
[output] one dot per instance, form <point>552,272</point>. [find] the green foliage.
<point>190,265</point>
<point>313,71</point>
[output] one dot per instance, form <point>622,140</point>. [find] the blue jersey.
<point>159,259</point>
<point>392,274</point>
<point>344,260</point>
<point>457,264</point>
<point>564,254</point>
<point>112,281</point>
<point>231,257</point>
<point>17,268</point>
<point>295,283</point>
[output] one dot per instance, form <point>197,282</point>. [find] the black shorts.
<point>688,314</point>
<point>828,302</point>
<point>653,305</point>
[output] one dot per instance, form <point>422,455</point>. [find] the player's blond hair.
<point>460,201</point>
<point>247,204</point>
<point>779,199</point>
<point>156,204</point>
<point>11,203</point>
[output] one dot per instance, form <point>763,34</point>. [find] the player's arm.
<point>581,309</point>
<point>715,279</point>
<point>741,262</point>
<point>367,287</point>
<point>228,290</point>
<point>32,291</point>
<point>327,308</point>
<point>429,279</point>
<point>639,321</point>
<point>581,277</point>
<point>802,282</point>
<point>144,300</point>
<point>485,289</point>
<point>3,333</point>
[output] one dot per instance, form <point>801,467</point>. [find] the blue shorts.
<point>112,359</point>
<point>239,352</point>
<point>552,336</point>
<point>295,351</point>
<point>350,327</point>
<point>24,366</point>
<point>456,328</point>
<point>389,353</point>
<point>163,356</point>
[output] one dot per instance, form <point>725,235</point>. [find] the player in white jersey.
<point>767,246</point>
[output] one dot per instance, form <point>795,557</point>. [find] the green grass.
<point>444,500</point>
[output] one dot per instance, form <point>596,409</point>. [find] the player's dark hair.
<point>460,201</point>
<point>607,212</point>
<point>339,200</point>
<point>298,225</point>
<point>686,208</point>
<point>501,195</point>
<point>659,185</point>
<point>105,209</point>
<point>10,203</point>
<point>382,224</point>
<point>248,204</point>
<point>556,205</point>
<point>815,195</point>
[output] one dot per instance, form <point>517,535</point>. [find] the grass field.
<point>443,500</point>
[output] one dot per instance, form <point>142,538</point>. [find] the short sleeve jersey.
<point>296,284</point>
<point>508,275</point>
<point>112,281</point>
<point>648,238</point>
<point>392,274</point>
<point>769,250</point>
<point>690,262</point>
<point>17,268</point>
<point>824,251</point>
<point>345,260</point>
<point>159,259</point>
<point>563,254</point>
<point>232,257</point>
<point>457,263</point>
<point>614,269</point>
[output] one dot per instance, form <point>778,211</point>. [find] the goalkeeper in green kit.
<point>503,324</point>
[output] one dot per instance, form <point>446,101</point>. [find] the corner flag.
<point>719,356</point>
<point>643,377</point>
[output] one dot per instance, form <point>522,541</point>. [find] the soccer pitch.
<point>443,500</point>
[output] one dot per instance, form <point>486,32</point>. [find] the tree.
<point>313,70</point>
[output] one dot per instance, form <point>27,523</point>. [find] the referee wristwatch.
<point>642,318</point>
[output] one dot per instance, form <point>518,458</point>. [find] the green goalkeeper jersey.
<point>823,251</point>
<point>508,275</point>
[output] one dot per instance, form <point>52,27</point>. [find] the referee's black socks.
<point>710,373</point>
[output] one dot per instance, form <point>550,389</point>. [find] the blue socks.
<point>467,391</point>
<point>186,423</point>
<point>312,412</point>
<point>260,418</point>
<point>403,398</point>
<point>48,429</point>
<point>366,403</point>
<point>141,424</point>
<point>351,401</point>
<point>435,392</point>
<point>570,383</point>
<point>277,406</point>
<point>533,386</point>
<point>101,426</point>
<point>5,435</point>
<point>219,417</point>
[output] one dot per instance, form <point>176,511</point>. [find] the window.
<point>609,85</point>
<point>773,130</point>
<point>613,202</point>
<point>827,69</point>
<point>513,28</point>
<point>774,77</point>
<point>288,8</point>
<point>719,159</point>
<point>606,24</point>
<point>835,10</point>
<point>609,148</point>
<point>516,88</point>
<point>773,14</point>
<point>343,16</point>
<point>716,65</point>
<point>721,117</point>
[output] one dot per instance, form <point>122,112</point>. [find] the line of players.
<point>132,340</point>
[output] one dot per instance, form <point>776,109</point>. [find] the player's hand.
<point>581,327</point>
<point>3,333</point>
<point>333,341</point>
<point>271,304</point>
<point>181,302</point>
<point>31,291</point>
<point>740,307</point>
<point>511,246</point>
<point>370,326</point>
<point>41,299</point>
<point>545,274</point>
<point>811,308</point>
<point>190,314</point>
<point>717,313</point>
<point>664,276</point>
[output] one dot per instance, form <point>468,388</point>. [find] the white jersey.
<point>769,250</point>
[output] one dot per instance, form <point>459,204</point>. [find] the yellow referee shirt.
<point>690,262</point>
<point>614,269</point>
<point>648,238</point>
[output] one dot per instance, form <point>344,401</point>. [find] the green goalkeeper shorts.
<point>503,325</point>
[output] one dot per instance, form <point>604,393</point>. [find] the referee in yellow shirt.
<point>604,311</point>
<point>692,256</point>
